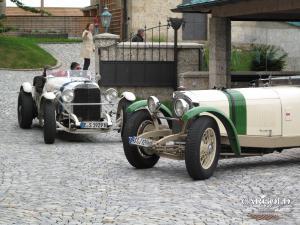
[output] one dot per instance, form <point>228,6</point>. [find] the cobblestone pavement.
<point>86,179</point>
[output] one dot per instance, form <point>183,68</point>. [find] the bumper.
<point>75,124</point>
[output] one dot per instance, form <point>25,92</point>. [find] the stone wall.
<point>274,33</point>
<point>188,59</point>
<point>194,80</point>
<point>188,53</point>
<point>94,2</point>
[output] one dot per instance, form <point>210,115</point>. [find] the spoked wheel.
<point>208,148</point>
<point>145,127</point>
<point>139,157</point>
<point>49,123</point>
<point>202,148</point>
<point>25,110</point>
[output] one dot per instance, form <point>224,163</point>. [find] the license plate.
<point>143,142</point>
<point>93,125</point>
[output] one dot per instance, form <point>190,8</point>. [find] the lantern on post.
<point>106,19</point>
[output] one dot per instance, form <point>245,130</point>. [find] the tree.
<point>24,7</point>
<point>2,7</point>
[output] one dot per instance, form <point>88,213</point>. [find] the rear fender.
<point>26,87</point>
<point>128,96</point>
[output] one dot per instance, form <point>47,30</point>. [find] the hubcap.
<point>208,148</point>
<point>146,126</point>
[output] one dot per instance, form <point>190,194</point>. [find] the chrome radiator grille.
<point>87,112</point>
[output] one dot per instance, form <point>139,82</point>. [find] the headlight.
<point>111,95</point>
<point>153,104</point>
<point>181,107</point>
<point>67,96</point>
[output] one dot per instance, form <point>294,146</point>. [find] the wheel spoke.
<point>146,126</point>
<point>208,148</point>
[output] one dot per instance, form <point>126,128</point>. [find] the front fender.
<point>143,104</point>
<point>229,126</point>
<point>48,96</point>
<point>129,96</point>
<point>27,87</point>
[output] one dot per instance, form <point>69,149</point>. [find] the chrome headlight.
<point>153,104</point>
<point>181,107</point>
<point>67,96</point>
<point>111,95</point>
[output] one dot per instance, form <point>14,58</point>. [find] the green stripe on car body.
<point>238,109</point>
<point>230,105</point>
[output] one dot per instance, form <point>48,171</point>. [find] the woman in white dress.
<point>88,46</point>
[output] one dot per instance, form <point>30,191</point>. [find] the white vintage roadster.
<point>207,124</point>
<point>70,101</point>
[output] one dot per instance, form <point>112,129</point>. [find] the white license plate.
<point>93,125</point>
<point>143,142</point>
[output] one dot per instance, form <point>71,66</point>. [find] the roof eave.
<point>201,7</point>
<point>191,10</point>
<point>91,7</point>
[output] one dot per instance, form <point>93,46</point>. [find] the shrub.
<point>257,58</point>
<point>268,58</point>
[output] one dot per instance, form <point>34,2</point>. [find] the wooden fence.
<point>72,25</point>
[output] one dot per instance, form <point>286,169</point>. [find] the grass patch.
<point>241,60</point>
<point>54,40</point>
<point>23,53</point>
<point>159,39</point>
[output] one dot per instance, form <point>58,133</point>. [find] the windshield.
<point>71,74</point>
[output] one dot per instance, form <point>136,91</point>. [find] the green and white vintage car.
<point>208,124</point>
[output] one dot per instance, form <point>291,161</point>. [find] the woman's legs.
<point>86,64</point>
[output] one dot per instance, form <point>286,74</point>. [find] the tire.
<point>122,106</point>
<point>204,127</point>
<point>25,110</point>
<point>49,123</point>
<point>138,122</point>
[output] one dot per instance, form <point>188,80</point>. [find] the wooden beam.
<point>255,7</point>
<point>42,7</point>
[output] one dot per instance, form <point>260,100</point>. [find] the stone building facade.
<point>130,15</point>
<point>149,13</point>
